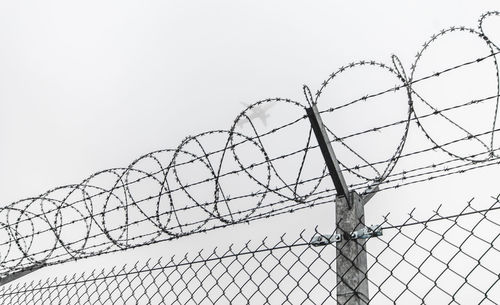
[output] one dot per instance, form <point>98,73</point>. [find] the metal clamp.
<point>367,232</point>
<point>364,233</point>
<point>323,240</point>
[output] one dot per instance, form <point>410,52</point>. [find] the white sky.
<point>91,85</point>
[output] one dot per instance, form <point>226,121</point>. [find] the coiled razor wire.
<point>171,193</point>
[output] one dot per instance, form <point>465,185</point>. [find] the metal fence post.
<point>351,260</point>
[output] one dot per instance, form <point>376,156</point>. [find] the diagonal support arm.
<point>14,276</point>
<point>326,149</point>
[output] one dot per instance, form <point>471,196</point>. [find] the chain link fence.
<point>441,260</point>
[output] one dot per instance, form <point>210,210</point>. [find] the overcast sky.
<point>91,85</point>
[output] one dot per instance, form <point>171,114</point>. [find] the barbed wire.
<point>152,197</point>
<point>363,132</point>
<point>326,199</point>
<point>315,146</point>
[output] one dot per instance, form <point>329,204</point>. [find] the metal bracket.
<point>367,232</point>
<point>323,240</point>
<point>363,233</point>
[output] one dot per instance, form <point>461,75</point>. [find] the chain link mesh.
<point>441,260</point>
